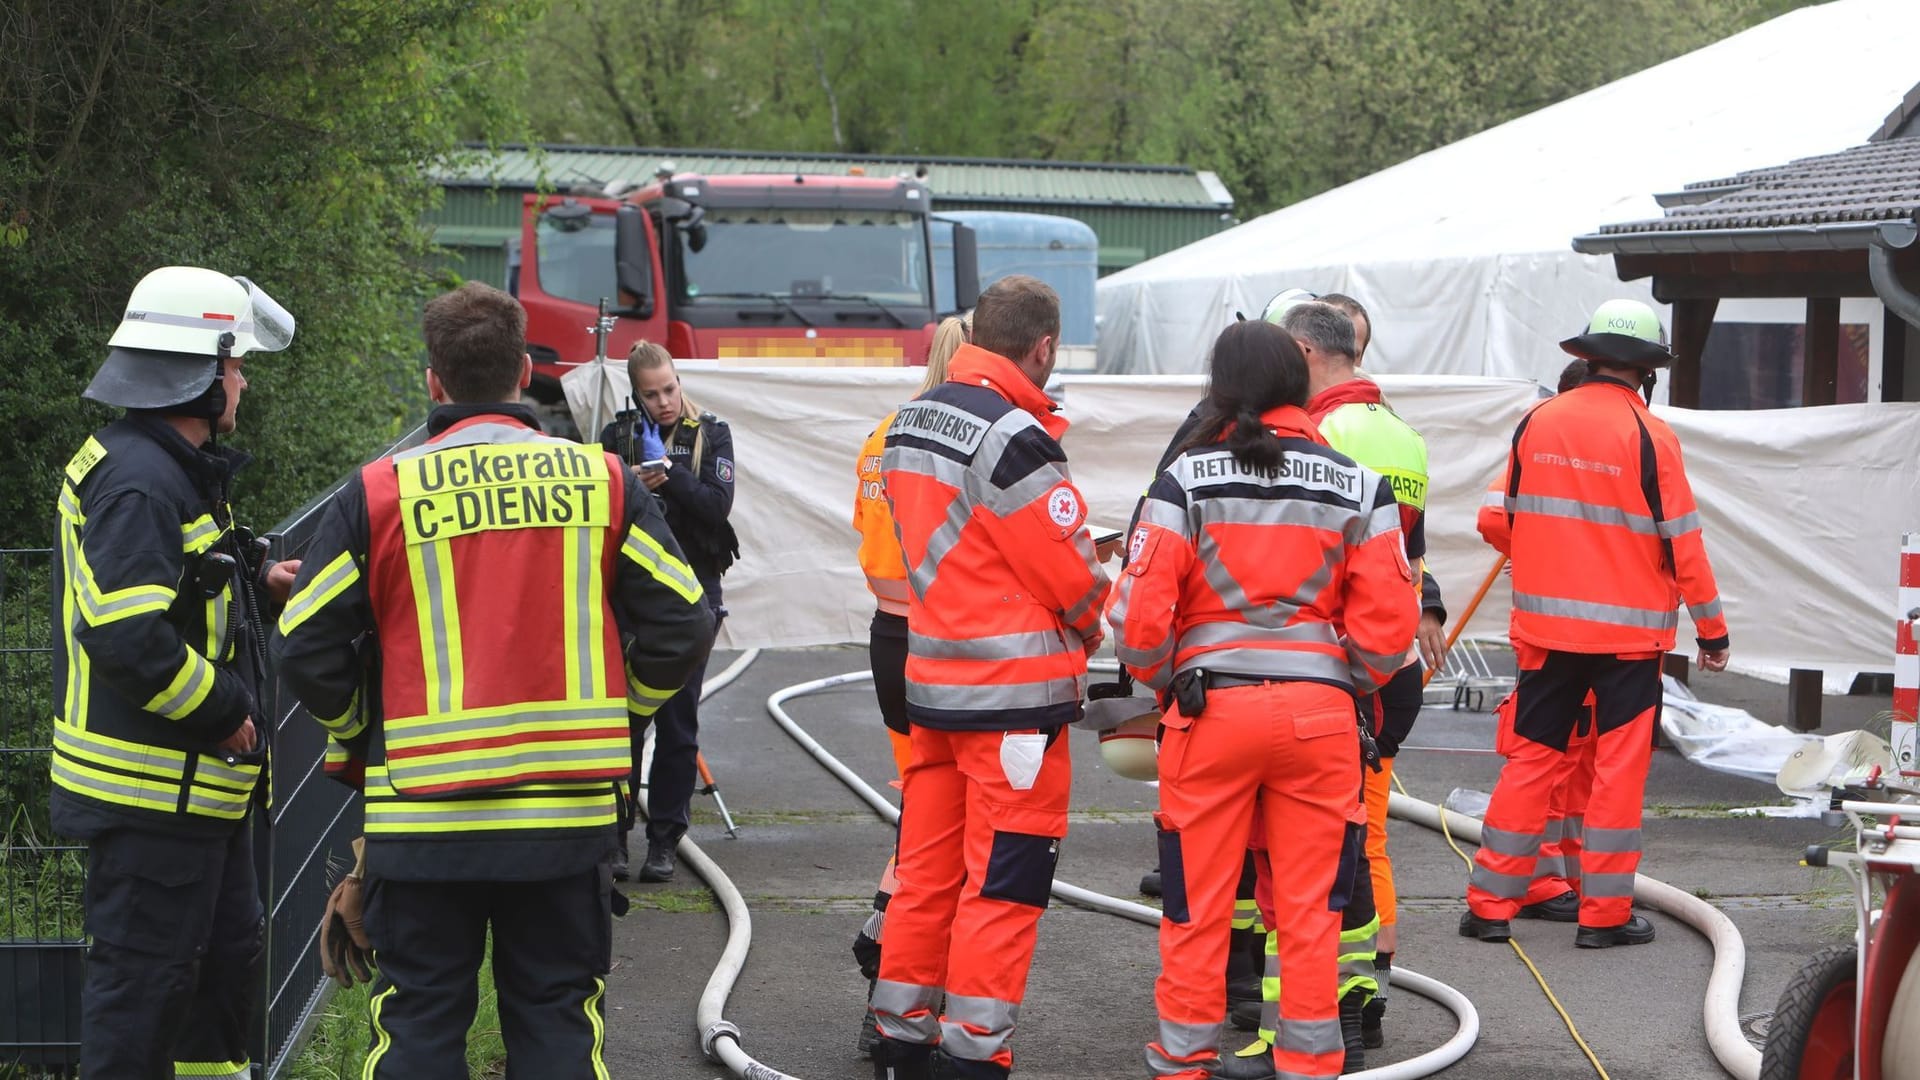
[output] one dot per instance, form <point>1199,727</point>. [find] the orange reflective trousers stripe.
<point>1558,868</point>
<point>1548,703</point>
<point>979,836</point>
<point>1288,749</point>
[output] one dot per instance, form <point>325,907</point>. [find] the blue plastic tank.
<point>1060,251</point>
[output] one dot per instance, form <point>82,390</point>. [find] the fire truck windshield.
<point>865,256</point>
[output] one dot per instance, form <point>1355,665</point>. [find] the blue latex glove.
<point>652,446</point>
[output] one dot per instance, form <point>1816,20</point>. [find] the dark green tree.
<point>286,140</point>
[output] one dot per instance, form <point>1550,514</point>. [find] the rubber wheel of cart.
<point>1811,1037</point>
<point>1900,1051</point>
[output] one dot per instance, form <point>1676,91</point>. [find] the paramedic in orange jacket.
<point>1249,549</point>
<point>1606,543</point>
<point>1004,609</point>
<point>886,571</point>
<point>1554,892</point>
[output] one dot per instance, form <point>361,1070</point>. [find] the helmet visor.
<point>267,327</point>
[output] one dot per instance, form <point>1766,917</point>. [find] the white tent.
<point>1462,254</point>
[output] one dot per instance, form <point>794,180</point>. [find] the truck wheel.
<point>1900,1051</point>
<point>1811,1037</point>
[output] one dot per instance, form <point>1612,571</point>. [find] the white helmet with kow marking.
<point>180,322</point>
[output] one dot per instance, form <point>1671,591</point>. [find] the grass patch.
<point>338,1048</point>
<point>675,901</point>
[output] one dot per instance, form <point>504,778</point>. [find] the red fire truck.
<point>748,268</point>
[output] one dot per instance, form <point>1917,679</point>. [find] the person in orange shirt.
<point>886,571</point>
<point>1606,542</point>
<point>1003,610</point>
<point>1249,550</point>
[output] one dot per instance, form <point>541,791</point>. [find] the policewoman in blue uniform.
<point>684,456</point>
<point>159,739</point>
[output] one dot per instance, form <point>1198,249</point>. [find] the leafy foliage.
<point>280,139</point>
<point>1282,99</point>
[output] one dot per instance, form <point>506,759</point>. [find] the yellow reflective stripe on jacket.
<point>348,724</point>
<point>506,745</point>
<point>530,808</point>
<point>147,793</point>
<point>200,534</point>
<point>119,753</point>
<point>211,1068</point>
<point>437,608</point>
<point>583,596</point>
<point>644,700</point>
<point>662,564</point>
<point>99,607</point>
<point>190,686</point>
<point>327,584</point>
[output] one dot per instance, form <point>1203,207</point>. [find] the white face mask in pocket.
<point>1021,754</point>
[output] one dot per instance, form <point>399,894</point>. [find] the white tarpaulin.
<point>1462,254</point>
<point>1803,508</point>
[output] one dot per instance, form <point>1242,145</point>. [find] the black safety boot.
<point>1373,1032</point>
<point>1350,1007</point>
<point>1474,926</point>
<point>1150,882</point>
<point>1253,1061</point>
<point>896,1060</point>
<point>1246,955</point>
<point>659,864</point>
<point>869,1027</point>
<point>1635,931</point>
<point>1562,908</point>
<point>953,1068</point>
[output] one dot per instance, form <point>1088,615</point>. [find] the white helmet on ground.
<point>180,322</point>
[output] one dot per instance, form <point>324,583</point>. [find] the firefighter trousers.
<point>675,769</point>
<point>1547,709</point>
<point>982,817</point>
<point>1289,750</point>
<point>1558,870</point>
<point>552,949</point>
<point>173,976</point>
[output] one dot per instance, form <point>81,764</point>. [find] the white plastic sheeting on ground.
<point>1726,739</point>
<point>1803,508</point>
<point>1462,253</point>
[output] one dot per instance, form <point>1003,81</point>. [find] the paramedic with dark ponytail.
<point>1249,549</point>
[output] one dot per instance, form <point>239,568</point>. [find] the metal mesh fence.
<point>300,852</point>
<point>42,947</point>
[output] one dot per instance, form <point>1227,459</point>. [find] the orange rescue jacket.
<point>880,557</point>
<point>1006,594</point>
<point>1296,573</point>
<point>1602,528</point>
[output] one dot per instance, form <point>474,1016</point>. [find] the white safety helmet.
<point>1131,750</point>
<point>180,322</point>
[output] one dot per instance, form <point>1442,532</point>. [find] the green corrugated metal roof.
<point>954,181</point>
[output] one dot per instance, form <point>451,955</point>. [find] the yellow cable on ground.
<point>1517,950</point>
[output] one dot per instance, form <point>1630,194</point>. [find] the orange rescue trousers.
<point>983,813</point>
<point>1548,710</point>
<point>1290,746</point>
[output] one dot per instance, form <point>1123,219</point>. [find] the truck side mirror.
<point>966,268</point>
<point>633,260</point>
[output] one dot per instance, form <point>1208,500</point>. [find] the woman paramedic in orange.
<point>886,572</point>
<point>1250,547</point>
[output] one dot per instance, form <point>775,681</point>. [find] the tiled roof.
<point>952,180</point>
<point>1877,181</point>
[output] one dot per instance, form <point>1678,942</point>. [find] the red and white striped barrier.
<point>1906,659</point>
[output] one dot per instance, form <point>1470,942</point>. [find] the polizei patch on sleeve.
<point>723,468</point>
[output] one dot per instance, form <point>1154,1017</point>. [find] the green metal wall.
<point>475,223</point>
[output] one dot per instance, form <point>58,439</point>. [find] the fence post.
<point>1906,658</point>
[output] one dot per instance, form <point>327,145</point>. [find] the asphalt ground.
<point>809,853</point>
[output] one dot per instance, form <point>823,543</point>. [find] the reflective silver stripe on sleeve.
<point>1702,612</point>
<point>1680,526</point>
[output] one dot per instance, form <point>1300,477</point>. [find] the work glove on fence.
<point>344,948</point>
<point>652,446</point>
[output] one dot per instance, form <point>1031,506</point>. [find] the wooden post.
<point>1820,378</point>
<point>1803,699</point>
<point>1893,359</point>
<point>1692,322</point>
